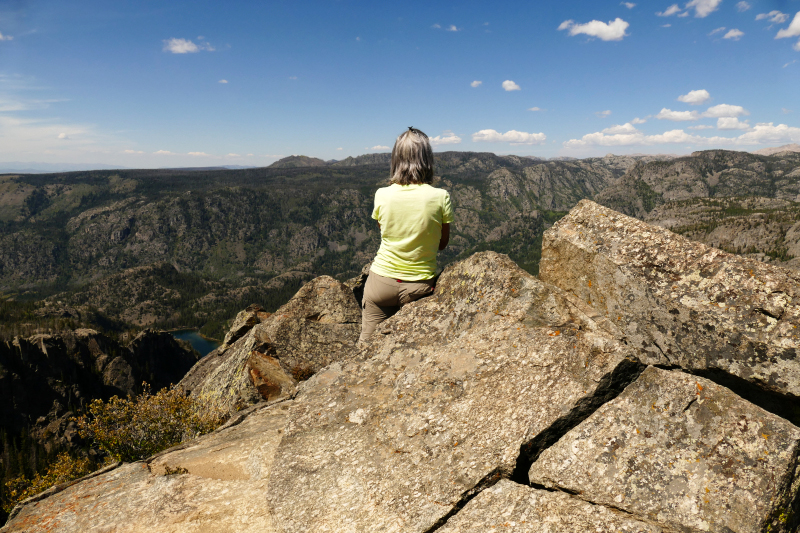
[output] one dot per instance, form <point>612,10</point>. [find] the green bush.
<point>136,428</point>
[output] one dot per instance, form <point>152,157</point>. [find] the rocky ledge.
<point>616,393</point>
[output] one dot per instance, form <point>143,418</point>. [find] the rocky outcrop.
<point>270,354</point>
<point>501,401</point>
<point>683,303</point>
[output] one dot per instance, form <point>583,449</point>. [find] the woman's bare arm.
<point>445,236</point>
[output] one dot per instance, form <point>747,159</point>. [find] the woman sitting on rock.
<point>414,219</point>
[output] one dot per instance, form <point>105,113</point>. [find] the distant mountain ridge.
<point>778,149</point>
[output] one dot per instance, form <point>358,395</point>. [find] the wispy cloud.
<point>734,34</point>
<point>612,31</point>
<point>452,27</point>
<point>712,32</point>
<point>638,120</point>
<point>509,85</point>
<point>185,46</point>
<point>725,110</point>
<point>6,37</point>
<point>447,137</point>
<point>703,8</point>
<point>436,26</point>
<point>222,81</point>
<point>604,114</point>
<point>132,151</point>
<point>201,154</point>
<point>163,152</point>
<point>378,147</point>
<point>671,10</point>
<point>697,97</point>
<point>534,109</point>
<point>677,116</point>
<point>629,5</point>
<point>742,6</point>
<point>476,83</point>
<point>701,127</point>
<point>514,137</point>
<point>775,17</point>
<point>790,63</point>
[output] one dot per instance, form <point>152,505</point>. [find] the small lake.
<point>200,344</point>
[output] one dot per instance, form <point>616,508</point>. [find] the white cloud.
<point>63,135</point>
<point>677,116</point>
<point>765,133</point>
<point>785,110</point>
<point>436,26</point>
<point>712,32</point>
<point>340,148</point>
<point>776,17</point>
<point>452,27</point>
<point>790,63</point>
<point>509,85</point>
<point>223,81</point>
<point>703,8</point>
<point>731,123</point>
<point>697,97</point>
<point>671,10</point>
<point>604,114</point>
<point>620,129</point>
<point>234,155</point>
<point>180,46</point>
<point>734,34</point>
<point>666,25</point>
<point>163,152</point>
<point>614,30</point>
<point>201,154</point>
<point>6,37</point>
<point>476,83</point>
<point>534,109</point>
<point>378,147</point>
<point>725,110</point>
<point>629,5</point>
<point>448,137</point>
<point>514,137</point>
<point>132,152</point>
<point>701,127</point>
<point>792,31</point>
<point>638,120</point>
<point>742,6</point>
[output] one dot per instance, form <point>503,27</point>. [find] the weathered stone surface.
<point>685,452</point>
<point>244,322</point>
<point>222,492</point>
<point>444,405</point>
<point>514,508</point>
<point>318,326</point>
<point>681,303</point>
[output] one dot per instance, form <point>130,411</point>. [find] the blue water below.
<point>200,344</point>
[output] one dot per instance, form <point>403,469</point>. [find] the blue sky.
<point>163,84</point>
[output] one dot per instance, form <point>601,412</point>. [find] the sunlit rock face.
<point>616,393</point>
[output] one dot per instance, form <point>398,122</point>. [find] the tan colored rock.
<point>461,388</point>
<point>244,322</point>
<point>513,508</point>
<point>223,491</point>
<point>680,302</point>
<point>318,326</point>
<point>684,452</point>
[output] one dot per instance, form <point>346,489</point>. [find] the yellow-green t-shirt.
<point>411,218</point>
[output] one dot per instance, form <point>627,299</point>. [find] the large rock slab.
<point>461,389</point>
<point>318,326</point>
<point>684,452</point>
<point>680,302</point>
<point>222,491</point>
<point>514,508</point>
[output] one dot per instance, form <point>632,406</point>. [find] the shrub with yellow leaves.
<point>65,468</point>
<point>135,428</point>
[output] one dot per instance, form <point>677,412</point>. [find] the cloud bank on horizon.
<point>331,80</point>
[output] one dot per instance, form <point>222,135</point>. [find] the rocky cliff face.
<point>645,383</point>
<point>44,377</point>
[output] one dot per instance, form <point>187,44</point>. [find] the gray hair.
<point>412,158</point>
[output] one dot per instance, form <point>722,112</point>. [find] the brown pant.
<point>383,297</point>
